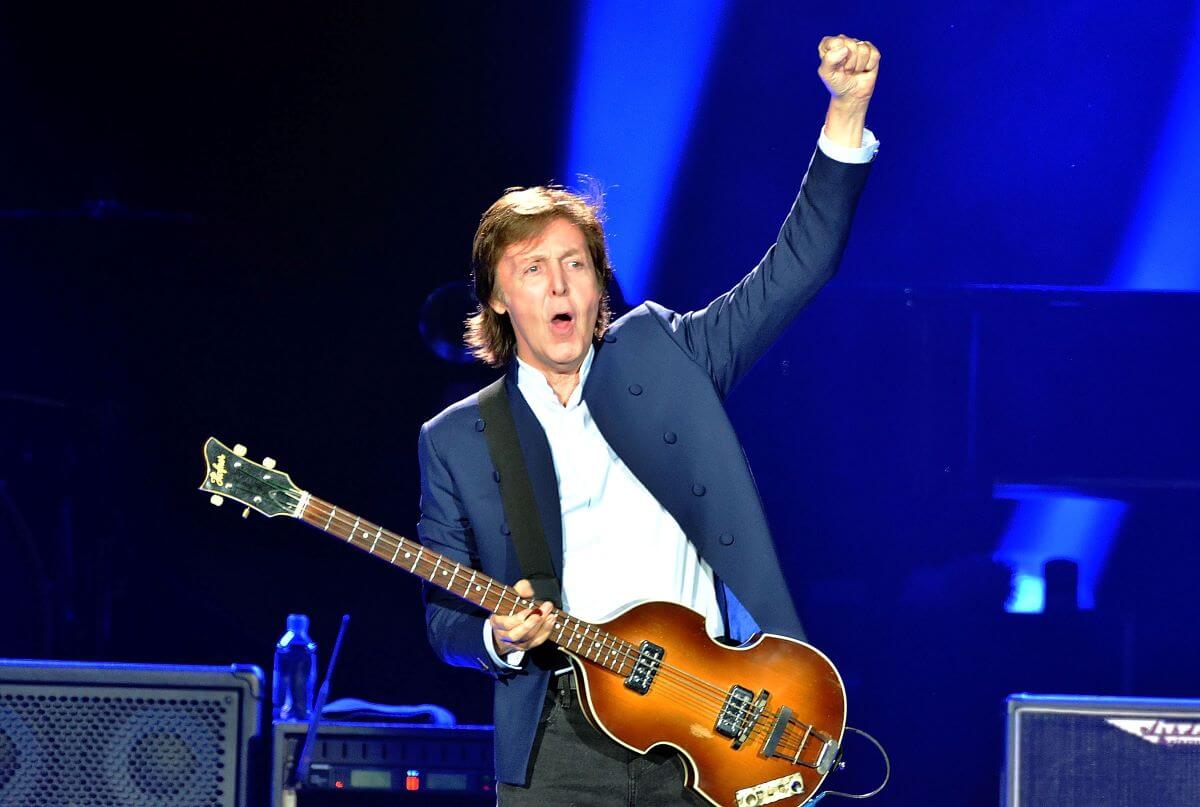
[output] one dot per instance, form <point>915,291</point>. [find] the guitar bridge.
<point>645,668</point>
<point>827,754</point>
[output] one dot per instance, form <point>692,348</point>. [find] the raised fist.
<point>849,67</point>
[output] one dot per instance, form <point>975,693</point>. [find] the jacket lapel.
<point>539,464</point>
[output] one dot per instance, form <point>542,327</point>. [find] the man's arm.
<point>460,633</point>
<point>454,626</point>
<point>733,331</point>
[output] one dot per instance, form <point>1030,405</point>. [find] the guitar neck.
<point>582,638</point>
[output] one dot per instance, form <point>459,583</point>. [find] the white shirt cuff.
<point>510,662</point>
<point>849,154</point>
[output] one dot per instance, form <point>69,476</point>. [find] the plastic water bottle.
<point>295,676</point>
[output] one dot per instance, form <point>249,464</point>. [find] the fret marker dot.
<point>408,554</point>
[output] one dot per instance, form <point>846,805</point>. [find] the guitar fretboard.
<point>582,638</point>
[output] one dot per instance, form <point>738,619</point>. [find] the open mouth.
<point>562,322</point>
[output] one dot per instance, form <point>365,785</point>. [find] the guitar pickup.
<point>733,712</point>
<point>645,668</point>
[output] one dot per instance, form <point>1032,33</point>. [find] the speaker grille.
<point>116,746</point>
<point>1114,752</point>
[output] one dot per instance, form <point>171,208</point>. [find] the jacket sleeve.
<point>734,330</point>
<point>455,627</point>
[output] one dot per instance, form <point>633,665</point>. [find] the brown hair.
<point>519,215</point>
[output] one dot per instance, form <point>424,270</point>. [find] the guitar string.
<point>698,696</point>
<point>696,692</point>
<point>626,649</point>
<point>610,645</point>
<point>503,596</point>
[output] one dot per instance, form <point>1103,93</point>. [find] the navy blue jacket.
<point>656,390</point>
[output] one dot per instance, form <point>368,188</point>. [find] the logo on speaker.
<point>1159,732</point>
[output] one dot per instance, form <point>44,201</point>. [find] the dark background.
<point>225,219</point>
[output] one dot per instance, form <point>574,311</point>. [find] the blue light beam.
<point>641,69</point>
<point>1162,245</point>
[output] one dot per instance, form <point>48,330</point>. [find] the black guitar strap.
<point>516,493</point>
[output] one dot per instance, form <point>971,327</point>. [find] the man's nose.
<point>558,280</point>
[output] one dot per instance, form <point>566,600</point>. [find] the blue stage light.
<point>1162,244</point>
<point>641,69</point>
<point>1055,523</point>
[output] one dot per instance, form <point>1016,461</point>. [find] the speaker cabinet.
<point>1068,751</point>
<point>118,735</point>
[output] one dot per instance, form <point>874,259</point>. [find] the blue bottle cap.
<point>297,623</point>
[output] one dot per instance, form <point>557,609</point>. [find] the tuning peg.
<point>268,463</point>
<point>240,450</point>
<point>216,500</point>
<point>246,513</point>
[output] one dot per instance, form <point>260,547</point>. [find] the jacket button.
<point>726,539</point>
<point>496,475</point>
<point>698,489</point>
<point>669,438</point>
<point>609,337</point>
<point>635,389</point>
<point>479,424</point>
<point>504,530</point>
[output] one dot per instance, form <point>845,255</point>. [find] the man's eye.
<point>532,268</point>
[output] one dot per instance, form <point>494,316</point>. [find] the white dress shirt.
<point>619,544</point>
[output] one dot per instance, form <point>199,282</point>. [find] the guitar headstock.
<point>260,487</point>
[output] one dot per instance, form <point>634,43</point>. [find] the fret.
<point>470,583</point>
<point>378,534</point>
<point>416,560</point>
<point>483,598</point>
<point>396,552</point>
<point>612,654</point>
<point>350,537</point>
<point>436,563</point>
<point>454,576</point>
<point>516,602</point>
<point>330,519</point>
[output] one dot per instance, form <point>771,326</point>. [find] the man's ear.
<point>497,303</point>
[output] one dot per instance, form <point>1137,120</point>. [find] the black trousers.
<point>576,765</point>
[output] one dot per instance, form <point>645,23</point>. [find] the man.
<point>642,488</point>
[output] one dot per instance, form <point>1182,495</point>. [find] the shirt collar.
<point>536,389</point>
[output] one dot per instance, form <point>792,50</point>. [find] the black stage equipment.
<point>78,734</point>
<point>1072,751</point>
<point>385,763</point>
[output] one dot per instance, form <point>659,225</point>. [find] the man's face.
<point>548,287</point>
